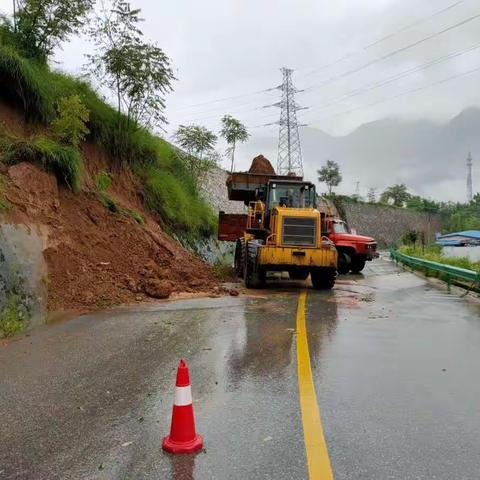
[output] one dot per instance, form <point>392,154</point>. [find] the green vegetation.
<point>137,71</point>
<point>12,316</point>
<point>41,25</point>
<point>197,152</point>
<point>233,131</point>
<point>454,216</point>
<point>170,187</point>
<point>103,181</point>
<point>330,175</point>
<point>434,254</point>
<point>172,194</point>
<point>108,202</point>
<point>397,194</point>
<point>4,205</point>
<point>70,126</point>
<point>128,212</point>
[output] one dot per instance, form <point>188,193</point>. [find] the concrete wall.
<point>23,271</point>
<point>472,253</point>
<point>387,224</point>
<point>214,191</point>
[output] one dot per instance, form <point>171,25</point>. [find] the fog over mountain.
<point>430,158</point>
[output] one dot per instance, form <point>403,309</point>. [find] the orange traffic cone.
<point>182,438</point>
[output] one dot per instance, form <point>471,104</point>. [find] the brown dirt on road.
<point>97,258</point>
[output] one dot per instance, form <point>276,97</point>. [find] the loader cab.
<point>290,194</point>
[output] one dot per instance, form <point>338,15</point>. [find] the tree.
<point>330,175</point>
<point>371,195</point>
<point>410,238</point>
<point>397,194</point>
<point>42,25</point>
<point>233,131</point>
<point>70,125</point>
<point>198,154</point>
<point>419,204</point>
<point>137,71</point>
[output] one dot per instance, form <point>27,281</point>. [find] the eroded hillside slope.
<point>97,257</point>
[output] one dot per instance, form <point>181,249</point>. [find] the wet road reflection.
<point>265,346</point>
<point>394,359</point>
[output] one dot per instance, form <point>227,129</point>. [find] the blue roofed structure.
<point>468,237</point>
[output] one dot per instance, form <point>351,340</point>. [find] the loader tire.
<point>240,257</point>
<point>254,275</point>
<point>323,278</point>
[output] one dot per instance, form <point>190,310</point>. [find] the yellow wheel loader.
<point>282,231</point>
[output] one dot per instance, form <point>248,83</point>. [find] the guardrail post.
<point>449,282</point>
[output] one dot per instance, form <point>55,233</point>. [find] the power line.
<point>233,97</point>
<point>337,77</point>
<point>386,37</point>
<point>398,76</point>
<point>257,92</point>
<point>226,110</point>
<point>388,80</point>
<point>414,24</point>
<point>393,53</point>
<point>407,92</point>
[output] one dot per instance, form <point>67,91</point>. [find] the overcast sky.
<point>234,48</point>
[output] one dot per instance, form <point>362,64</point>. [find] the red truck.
<point>353,250</point>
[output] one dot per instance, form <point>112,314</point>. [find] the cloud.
<point>229,48</point>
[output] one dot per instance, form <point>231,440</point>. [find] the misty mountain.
<point>429,157</point>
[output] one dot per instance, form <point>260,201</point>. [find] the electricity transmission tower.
<point>469,178</point>
<point>357,190</point>
<point>289,151</point>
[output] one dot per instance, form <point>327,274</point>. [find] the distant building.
<point>460,239</point>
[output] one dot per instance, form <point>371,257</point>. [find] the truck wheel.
<point>239,257</point>
<point>358,264</point>
<point>299,274</point>
<point>323,278</point>
<point>344,263</point>
<point>254,275</point>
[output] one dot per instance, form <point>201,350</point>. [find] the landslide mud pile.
<point>95,257</point>
<point>261,164</point>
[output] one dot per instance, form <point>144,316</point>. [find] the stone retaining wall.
<point>388,224</point>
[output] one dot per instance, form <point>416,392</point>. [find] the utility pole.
<point>357,190</point>
<point>469,178</point>
<point>289,151</point>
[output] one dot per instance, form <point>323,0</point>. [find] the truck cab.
<point>353,250</point>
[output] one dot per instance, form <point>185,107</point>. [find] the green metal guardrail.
<point>447,272</point>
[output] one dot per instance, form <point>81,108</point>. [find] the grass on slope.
<point>36,90</point>
<point>171,193</point>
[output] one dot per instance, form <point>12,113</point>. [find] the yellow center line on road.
<point>319,467</point>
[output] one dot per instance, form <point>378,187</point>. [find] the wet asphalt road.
<point>395,363</point>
